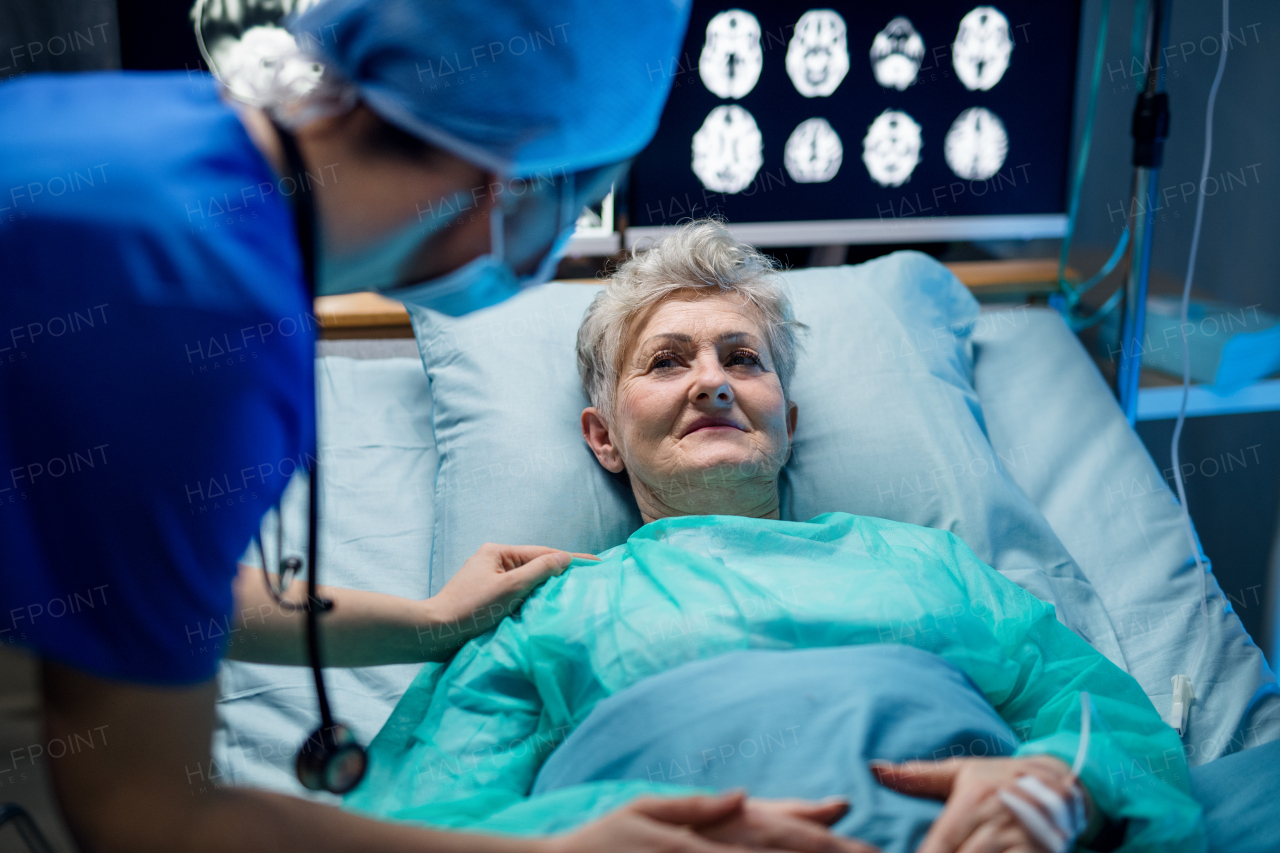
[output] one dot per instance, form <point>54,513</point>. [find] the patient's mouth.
<point>710,423</point>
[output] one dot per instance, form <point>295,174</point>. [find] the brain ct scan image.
<point>896,53</point>
<point>891,148</point>
<point>731,56</point>
<point>850,114</point>
<point>982,48</point>
<point>813,152</point>
<point>728,150</point>
<point>976,144</point>
<point>818,55</point>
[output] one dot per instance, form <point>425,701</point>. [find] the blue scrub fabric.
<point>155,368</point>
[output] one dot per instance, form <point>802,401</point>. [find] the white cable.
<point>1082,751</point>
<point>1180,724</point>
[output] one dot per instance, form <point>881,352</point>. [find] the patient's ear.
<point>596,431</point>
<point>793,412</point>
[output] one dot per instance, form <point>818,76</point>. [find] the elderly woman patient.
<point>720,646</point>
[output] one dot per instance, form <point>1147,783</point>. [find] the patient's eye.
<point>743,357</point>
<point>663,360</point>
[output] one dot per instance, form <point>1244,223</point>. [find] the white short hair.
<point>698,259</point>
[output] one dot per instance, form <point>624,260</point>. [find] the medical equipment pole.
<point>1150,127</point>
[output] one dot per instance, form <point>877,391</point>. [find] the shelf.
<point>1162,402</point>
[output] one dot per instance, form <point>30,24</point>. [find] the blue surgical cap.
<point>521,87</point>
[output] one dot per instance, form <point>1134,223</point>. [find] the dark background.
<point>157,35</point>
<point>1033,100</point>
<point>1233,506</point>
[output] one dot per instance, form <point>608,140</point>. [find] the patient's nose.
<point>711,382</point>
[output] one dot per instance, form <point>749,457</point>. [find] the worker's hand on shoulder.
<point>492,584</point>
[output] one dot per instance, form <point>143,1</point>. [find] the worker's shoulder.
<point>127,119</point>
<point>142,190</point>
<point>159,151</point>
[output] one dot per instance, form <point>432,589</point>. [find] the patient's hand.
<point>975,818</point>
<point>490,585</point>
<point>728,823</point>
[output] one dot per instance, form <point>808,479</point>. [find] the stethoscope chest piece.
<point>331,760</point>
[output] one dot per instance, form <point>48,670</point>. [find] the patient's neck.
<point>750,498</point>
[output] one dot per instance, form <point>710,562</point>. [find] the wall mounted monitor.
<point>865,122</point>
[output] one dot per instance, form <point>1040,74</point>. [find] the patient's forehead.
<point>693,319</point>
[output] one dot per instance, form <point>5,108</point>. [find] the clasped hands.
<point>977,818</point>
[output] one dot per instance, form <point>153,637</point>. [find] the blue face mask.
<point>484,281</point>
<point>377,266</point>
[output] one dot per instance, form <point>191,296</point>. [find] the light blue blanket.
<point>816,717</point>
<point>801,723</point>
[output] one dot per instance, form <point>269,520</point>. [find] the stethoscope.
<point>330,759</point>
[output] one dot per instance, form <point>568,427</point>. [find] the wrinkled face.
<point>699,401</point>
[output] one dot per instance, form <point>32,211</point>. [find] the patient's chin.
<point>726,463</point>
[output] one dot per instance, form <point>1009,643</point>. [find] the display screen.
<point>863,111</point>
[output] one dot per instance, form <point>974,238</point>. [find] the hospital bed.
<point>1052,423</point>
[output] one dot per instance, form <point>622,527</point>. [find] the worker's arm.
<point>371,629</point>
<point>145,787</point>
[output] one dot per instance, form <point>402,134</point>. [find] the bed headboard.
<point>370,315</point>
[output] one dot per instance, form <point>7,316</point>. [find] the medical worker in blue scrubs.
<point>156,357</point>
